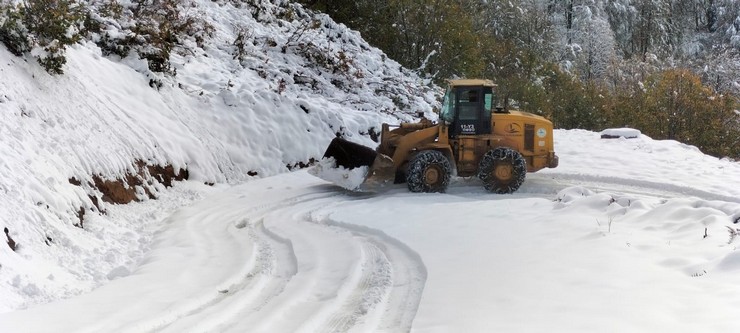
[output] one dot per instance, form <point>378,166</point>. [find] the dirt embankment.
<point>130,187</point>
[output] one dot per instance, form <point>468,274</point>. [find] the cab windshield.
<point>448,106</point>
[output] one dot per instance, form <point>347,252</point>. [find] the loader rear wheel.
<point>502,170</point>
<point>429,171</point>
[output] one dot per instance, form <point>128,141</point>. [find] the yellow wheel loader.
<point>475,136</point>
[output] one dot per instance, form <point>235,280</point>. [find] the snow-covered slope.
<point>612,241</point>
<point>225,120</point>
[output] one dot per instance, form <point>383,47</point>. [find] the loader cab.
<point>467,107</point>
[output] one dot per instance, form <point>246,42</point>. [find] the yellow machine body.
<point>472,123</point>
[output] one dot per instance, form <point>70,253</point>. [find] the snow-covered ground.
<point>226,120</point>
<point>626,235</point>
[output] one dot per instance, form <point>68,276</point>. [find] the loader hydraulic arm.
<point>411,140</point>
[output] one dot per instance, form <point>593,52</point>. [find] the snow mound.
<point>327,169</point>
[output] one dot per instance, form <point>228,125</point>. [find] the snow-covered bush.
<point>42,27</point>
<point>151,28</point>
<point>12,31</point>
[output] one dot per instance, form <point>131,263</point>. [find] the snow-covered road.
<point>248,259</point>
<point>596,245</point>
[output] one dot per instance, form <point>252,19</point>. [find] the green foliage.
<point>12,31</point>
<point>151,28</point>
<point>671,104</point>
<point>575,104</point>
<point>584,65</point>
<point>450,35</point>
<point>118,43</point>
<point>517,71</point>
<point>435,37</point>
<point>158,24</point>
<point>675,105</point>
<point>44,28</point>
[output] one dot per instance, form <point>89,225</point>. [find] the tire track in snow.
<point>348,278</point>
<point>550,183</point>
<point>262,277</point>
<point>636,186</point>
<point>374,284</point>
<point>365,288</point>
<point>385,294</point>
<point>275,266</point>
<point>328,269</point>
<point>378,281</point>
<point>396,309</point>
<point>257,261</point>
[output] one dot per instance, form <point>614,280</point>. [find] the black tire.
<point>502,170</point>
<point>429,171</point>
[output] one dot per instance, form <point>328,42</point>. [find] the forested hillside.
<point>668,67</point>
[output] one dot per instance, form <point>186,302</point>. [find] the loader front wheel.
<point>429,171</point>
<point>502,170</point>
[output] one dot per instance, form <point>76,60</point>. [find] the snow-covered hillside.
<point>223,119</point>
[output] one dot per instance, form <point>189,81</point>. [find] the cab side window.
<point>488,101</point>
<point>469,104</point>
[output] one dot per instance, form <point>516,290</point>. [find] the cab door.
<point>472,120</point>
<point>473,112</point>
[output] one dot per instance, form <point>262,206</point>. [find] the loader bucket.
<point>350,155</point>
<point>354,166</point>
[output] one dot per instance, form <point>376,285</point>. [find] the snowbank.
<point>328,170</point>
<point>223,119</point>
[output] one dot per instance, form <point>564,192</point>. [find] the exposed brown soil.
<point>301,165</point>
<point>118,191</point>
<point>124,190</point>
<point>167,174</point>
